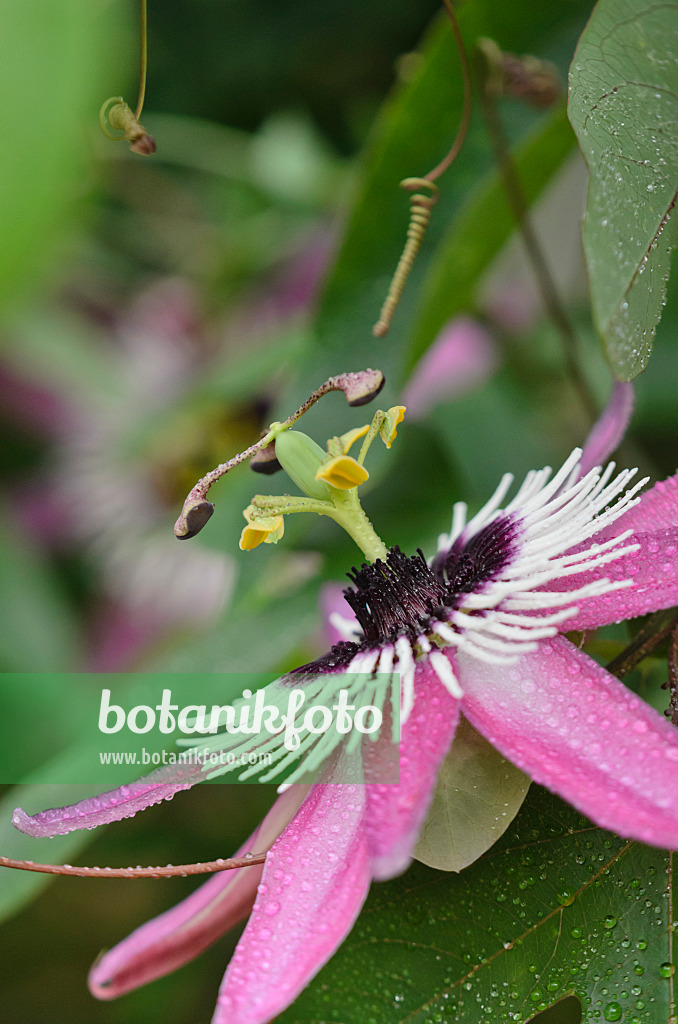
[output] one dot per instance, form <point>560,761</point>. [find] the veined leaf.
<point>624,109</point>
<point>557,907</point>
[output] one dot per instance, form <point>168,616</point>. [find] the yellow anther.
<point>342,472</point>
<point>352,436</point>
<point>268,530</point>
<point>392,418</point>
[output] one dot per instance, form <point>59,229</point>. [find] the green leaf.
<point>624,109</point>
<point>557,907</point>
<point>55,68</point>
<point>257,610</point>
<point>38,631</point>
<point>477,796</point>
<point>483,225</point>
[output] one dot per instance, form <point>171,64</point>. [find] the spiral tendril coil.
<point>421,206</point>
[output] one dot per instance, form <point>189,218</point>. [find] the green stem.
<point>143,57</point>
<point>345,509</point>
<point>375,427</point>
<point>277,505</point>
<point>349,514</point>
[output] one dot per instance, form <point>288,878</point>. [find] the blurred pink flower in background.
<point>462,357</point>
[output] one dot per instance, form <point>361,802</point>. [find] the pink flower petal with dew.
<point>609,429</point>
<point>462,356</point>
<point>315,881</point>
<point>656,511</point>
<point>396,812</point>
<point>114,805</point>
<point>651,567</point>
<point>182,933</point>
<point>577,730</point>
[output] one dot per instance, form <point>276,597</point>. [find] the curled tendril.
<point>421,205</point>
<point>119,122</point>
<point>420,216</point>
<point>116,117</point>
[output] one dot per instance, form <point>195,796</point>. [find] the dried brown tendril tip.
<point>144,145</point>
<point>519,76</point>
<point>193,517</point>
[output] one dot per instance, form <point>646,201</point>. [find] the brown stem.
<point>466,111</point>
<point>672,711</point>
<point>646,640</point>
<point>169,871</point>
<point>519,205</point>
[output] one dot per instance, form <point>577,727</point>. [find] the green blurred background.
<point>156,313</point>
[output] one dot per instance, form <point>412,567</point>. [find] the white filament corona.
<point>552,520</point>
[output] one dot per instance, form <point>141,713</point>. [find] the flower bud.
<point>301,459</point>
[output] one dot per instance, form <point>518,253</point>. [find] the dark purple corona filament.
<point>402,596</point>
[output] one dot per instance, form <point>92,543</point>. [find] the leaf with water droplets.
<point>624,109</point>
<point>557,908</point>
<point>477,796</point>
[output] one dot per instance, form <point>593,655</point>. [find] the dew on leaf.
<point>667,969</point>
<point>612,1011</point>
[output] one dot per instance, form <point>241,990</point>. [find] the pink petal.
<point>314,884</point>
<point>651,566</point>
<point>114,805</point>
<point>576,729</point>
<point>462,356</point>
<point>609,429</point>
<point>656,511</point>
<point>396,812</point>
<point>333,602</point>
<point>180,934</point>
